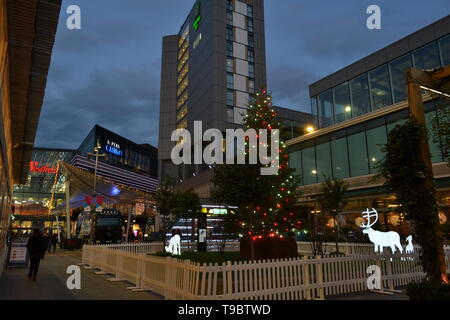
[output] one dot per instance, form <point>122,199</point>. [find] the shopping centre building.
<point>27,34</point>
<point>354,109</point>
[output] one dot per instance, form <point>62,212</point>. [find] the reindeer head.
<point>367,215</point>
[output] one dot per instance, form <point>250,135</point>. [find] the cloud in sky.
<point>109,71</point>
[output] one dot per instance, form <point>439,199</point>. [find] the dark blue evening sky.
<point>109,71</point>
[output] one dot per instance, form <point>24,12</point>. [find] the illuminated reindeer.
<point>380,239</point>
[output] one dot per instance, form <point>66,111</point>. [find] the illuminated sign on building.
<point>198,17</point>
<point>34,167</point>
<point>113,148</point>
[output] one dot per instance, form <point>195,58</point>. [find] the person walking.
<point>36,247</point>
<point>53,242</point>
<point>46,244</point>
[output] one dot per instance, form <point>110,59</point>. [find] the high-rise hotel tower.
<point>210,71</point>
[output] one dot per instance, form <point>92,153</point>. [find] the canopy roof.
<point>82,184</point>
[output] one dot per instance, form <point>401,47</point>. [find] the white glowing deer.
<point>380,239</point>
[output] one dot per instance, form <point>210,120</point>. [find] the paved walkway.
<point>51,283</point>
<point>369,296</point>
<point>52,276</point>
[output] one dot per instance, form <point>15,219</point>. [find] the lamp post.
<point>96,154</point>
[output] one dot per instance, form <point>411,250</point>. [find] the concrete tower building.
<point>210,71</point>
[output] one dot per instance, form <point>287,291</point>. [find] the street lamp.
<point>96,154</point>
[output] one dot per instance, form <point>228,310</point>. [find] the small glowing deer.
<point>409,246</point>
<point>380,239</point>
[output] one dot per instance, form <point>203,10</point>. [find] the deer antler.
<point>367,216</point>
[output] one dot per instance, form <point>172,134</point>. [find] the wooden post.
<point>416,109</point>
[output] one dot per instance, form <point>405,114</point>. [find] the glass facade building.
<point>377,88</point>
<point>354,110</point>
<point>354,151</point>
<point>32,199</point>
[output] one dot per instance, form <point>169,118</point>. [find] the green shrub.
<point>428,290</point>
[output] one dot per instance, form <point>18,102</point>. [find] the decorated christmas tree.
<point>276,216</point>
<point>265,202</point>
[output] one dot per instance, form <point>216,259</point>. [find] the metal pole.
<point>68,210</point>
<point>128,226</point>
<point>95,172</point>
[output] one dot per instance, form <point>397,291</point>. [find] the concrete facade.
<point>209,73</point>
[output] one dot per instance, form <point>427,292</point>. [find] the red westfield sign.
<point>34,167</point>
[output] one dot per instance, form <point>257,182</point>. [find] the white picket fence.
<point>284,279</point>
<point>304,248</point>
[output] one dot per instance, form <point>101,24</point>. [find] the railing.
<point>306,278</point>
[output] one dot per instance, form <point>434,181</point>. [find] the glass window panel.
<point>230,81</point>
<point>295,162</point>
<point>325,106</point>
<point>230,114</point>
<point>230,65</point>
<point>444,45</point>
<point>314,111</point>
<point>251,86</point>
<point>398,68</point>
<point>340,158</point>
<point>230,34</point>
<point>250,55</point>
<point>380,87</point>
<point>342,108</point>
<point>360,95</point>
<point>358,155</point>
<point>427,57</point>
<point>229,48</point>
<point>250,40</point>
<point>376,139</point>
<point>309,166</point>
<point>251,70</point>
<point>435,148</point>
<point>230,98</point>
<point>323,158</point>
<point>249,10</point>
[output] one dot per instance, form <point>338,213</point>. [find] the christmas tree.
<point>274,216</point>
<point>265,202</point>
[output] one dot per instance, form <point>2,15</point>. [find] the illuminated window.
<point>183,73</point>
<point>182,113</point>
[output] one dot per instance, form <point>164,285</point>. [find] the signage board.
<point>34,167</point>
<point>110,212</point>
<point>18,253</point>
<point>113,148</point>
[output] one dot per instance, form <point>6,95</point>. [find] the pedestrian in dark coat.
<point>53,242</point>
<point>46,242</point>
<point>36,248</point>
